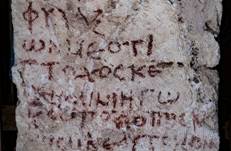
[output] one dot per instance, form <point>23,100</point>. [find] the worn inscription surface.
<point>116,75</point>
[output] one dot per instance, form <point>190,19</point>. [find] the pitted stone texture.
<point>121,75</point>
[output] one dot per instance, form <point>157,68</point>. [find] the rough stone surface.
<point>116,75</point>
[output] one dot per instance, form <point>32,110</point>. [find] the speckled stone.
<point>116,75</point>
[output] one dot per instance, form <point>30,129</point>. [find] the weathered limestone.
<point>121,75</point>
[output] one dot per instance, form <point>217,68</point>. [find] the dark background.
<point>224,107</point>
<point>7,89</point>
<point>8,97</point>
